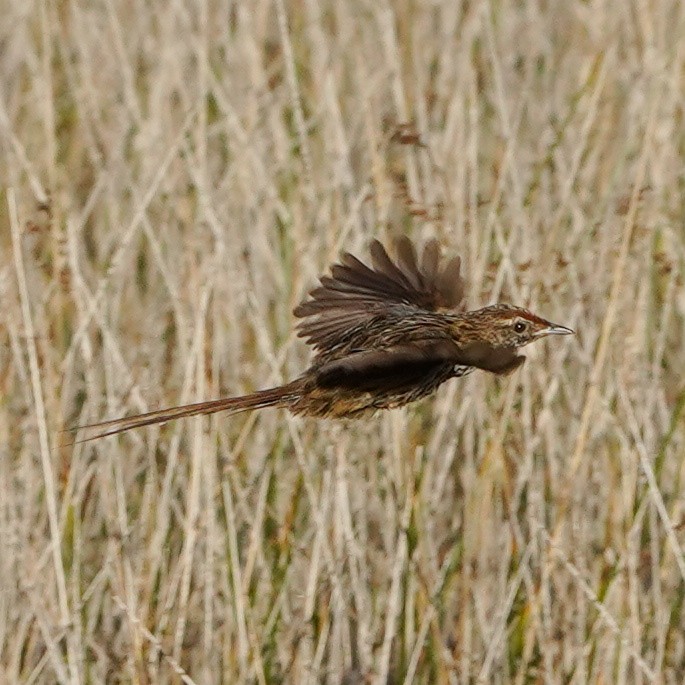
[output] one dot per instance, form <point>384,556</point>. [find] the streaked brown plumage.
<point>383,336</point>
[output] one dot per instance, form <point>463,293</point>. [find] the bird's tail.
<point>281,396</point>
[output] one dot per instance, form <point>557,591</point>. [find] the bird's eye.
<point>520,326</point>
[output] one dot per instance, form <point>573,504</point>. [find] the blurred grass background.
<point>175,176</point>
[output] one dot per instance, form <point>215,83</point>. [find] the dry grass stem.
<point>176,176</point>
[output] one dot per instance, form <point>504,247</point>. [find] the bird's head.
<point>488,338</point>
<point>503,325</point>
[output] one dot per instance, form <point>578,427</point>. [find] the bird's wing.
<point>390,368</point>
<point>354,292</point>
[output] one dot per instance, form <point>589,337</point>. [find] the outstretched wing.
<point>389,369</point>
<point>354,292</point>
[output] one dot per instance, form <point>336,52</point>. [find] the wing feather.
<point>449,283</point>
<point>355,293</point>
<point>430,260</point>
<point>383,264</point>
<point>389,368</point>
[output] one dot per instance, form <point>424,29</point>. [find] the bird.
<point>383,336</point>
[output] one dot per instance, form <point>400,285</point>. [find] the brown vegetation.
<point>175,176</point>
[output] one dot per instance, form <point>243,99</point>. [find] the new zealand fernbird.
<point>383,336</point>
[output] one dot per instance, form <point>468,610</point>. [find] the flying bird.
<point>383,336</point>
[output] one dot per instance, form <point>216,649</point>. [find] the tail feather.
<point>281,396</point>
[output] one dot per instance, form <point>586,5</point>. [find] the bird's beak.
<point>555,329</point>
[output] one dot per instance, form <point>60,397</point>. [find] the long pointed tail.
<point>282,396</point>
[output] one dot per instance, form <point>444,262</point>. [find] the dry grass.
<point>176,174</point>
